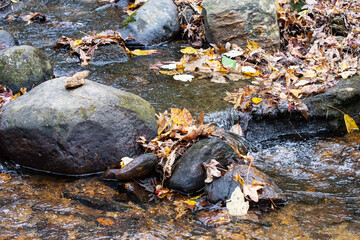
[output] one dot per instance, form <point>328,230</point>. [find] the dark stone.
<point>189,174</point>
<point>155,22</point>
<point>6,40</point>
<point>77,131</point>
<point>24,66</point>
<point>236,21</point>
<point>107,54</point>
<point>281,124</point>
<point>141,167</point>
<point>221,188</point>
<point>134,191</point>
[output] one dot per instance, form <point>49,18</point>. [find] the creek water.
<point>320,176</point>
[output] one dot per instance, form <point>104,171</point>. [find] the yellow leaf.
<point>168,72</point>
<point>310,74</point>
<point>238,178</point>
<point>15,96</point>
<point>105,222</point>
<point>138,52</point>
<point>189,50</point>
<point>190,202</point>
<point>252,46</point>
<point>78,42</point>
<point>350,124</point>
<point>256,100</point>
<point>295,92</point>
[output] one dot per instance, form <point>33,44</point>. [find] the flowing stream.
<point>320,176</point>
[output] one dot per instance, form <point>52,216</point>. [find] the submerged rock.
<point>189,174</point>
<point>24,66</point>
<point>140,167</point>
<point>6,40</point>
<point>222,188</point>
<point>77,131</point>
<point>107,54</point>
<point>236,21</point>
<point>155,22</point>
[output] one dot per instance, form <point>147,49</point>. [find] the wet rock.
<point>236,21</point>
<point>6,40</point>
<point>155,22</point>
<point>24,66</point>
<point>139,168</point>
<point>189,174</point>
<point>77,131</point>
<point>322,119</point>
<point>134,191</point>
<point>222,188</point>
<point>107,54</point>
<point>96,194</point>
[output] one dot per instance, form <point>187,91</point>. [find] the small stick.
<point>336,109</point>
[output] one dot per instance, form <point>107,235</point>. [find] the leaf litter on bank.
<point>319,47</point>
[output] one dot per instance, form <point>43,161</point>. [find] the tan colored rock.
<point>77,80</point>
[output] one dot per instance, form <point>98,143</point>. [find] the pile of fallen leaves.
<point>191,21</point>
<point>320,46</point>
<point>177,131</point>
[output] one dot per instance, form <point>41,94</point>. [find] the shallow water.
<point>319,176</point>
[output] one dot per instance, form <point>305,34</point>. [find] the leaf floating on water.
<point>237,129</point>
<point>256,100</point>
<point>350,124</point>
<point>138,52</point>
<point>188,50</point>
<point>184,77</point>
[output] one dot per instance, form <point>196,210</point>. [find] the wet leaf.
<point>138,52</point>
<point>256,100</point>
<point>237,129</point>
<point>190,202</point>
<point>239,179</point>
<point>125,160</point>
<point>106,222</point>
<point>189,50</point>
<point>236,204</point>
<point>350,124</point>
<point>252,46</point>
<point>184,77</point>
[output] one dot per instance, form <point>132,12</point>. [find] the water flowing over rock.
<point>155,22</point>
<point>76,131</point>
<point>222,188</point>
<point>236,21</point>
<point>24,66</point>
<point>6,40</point>
<point>189,174</point>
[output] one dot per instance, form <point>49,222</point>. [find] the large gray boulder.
<point>76,131</point>
<point>24,66</point>
<point>6,40</point>
<point>155,22</point>
<point>236,21</point>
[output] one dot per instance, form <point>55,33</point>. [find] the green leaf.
<point>228,62</point>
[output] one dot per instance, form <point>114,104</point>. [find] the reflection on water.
<point>319,176</point>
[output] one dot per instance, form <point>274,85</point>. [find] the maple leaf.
<point>251,190</point>
<point>211,170</point>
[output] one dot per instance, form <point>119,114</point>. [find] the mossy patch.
<point>130,19</point>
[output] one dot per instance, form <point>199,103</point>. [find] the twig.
<point>336,109</point>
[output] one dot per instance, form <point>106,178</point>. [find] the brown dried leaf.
<point>211,170</point>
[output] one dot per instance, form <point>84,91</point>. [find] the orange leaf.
<point>105,222</point>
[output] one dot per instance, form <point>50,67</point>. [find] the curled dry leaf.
<point>211,170</point>
<point>251,190</point>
